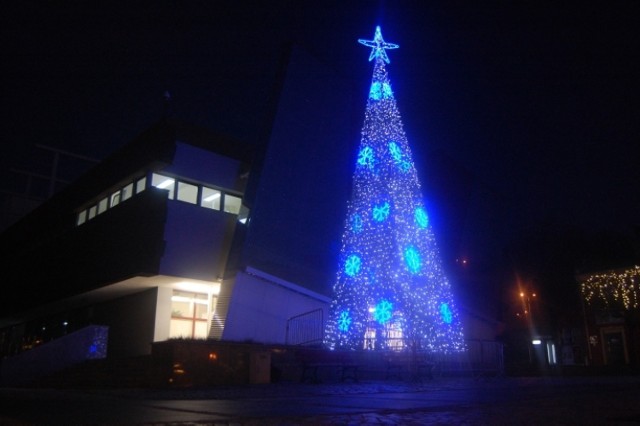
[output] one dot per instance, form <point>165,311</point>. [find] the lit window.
<point>92,212</point>
<point>190,314</point>
<point>164,182</point>
<point>210,198</point>
<point>243,216</point>
<point>231,204</point>
<point>127,192</point>
<point>82,217</point>
<point>115,199</point>
<point>187,193</point>
<point>102,205</point>
<point>141,184</point>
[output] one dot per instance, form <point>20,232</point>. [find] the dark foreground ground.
<point>443,401</point>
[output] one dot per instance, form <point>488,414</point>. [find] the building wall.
<point>299,204</point>
<point>122,242</point>
<point>261,305</point>
<point>163,314</point>
<point>197,241</point>
<point>205,166</point>
<point>131,322</point>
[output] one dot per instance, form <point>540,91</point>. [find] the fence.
<point>306,329</point>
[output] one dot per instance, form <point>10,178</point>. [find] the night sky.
<point>517,112</point>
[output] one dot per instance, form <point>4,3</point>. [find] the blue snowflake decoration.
<point>356,223</point>
<point>380,91</point>
<point>375,92</point>
<point>386,91</point>
<point>412,259</point>
<point>381,211</point>
<point>344,321</point>
<point>445,313</point>
<point>383,311</point>
<point>352,265</point>
<point>395,151</point>
<point>366,157</point>
<point>421,217</point>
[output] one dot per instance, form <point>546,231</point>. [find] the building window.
<point>141,185</point>
<point>102,205</point>
<point>190,314</point>
<point>243,216</point>
<point>127,192</point>
<point>231,204</point>
<point>82,217</point>
<point>92,212</point>
<point>210,198</point>
<point>187,193</point>
<point>164,182</point>
<point>115,199</point>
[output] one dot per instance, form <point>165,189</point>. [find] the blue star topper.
<point>378,46</point>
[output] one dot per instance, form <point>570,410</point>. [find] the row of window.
<point>201,195</point>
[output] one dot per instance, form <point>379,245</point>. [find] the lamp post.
<point>526,299</point>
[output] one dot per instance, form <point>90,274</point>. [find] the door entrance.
<point>615,351</point>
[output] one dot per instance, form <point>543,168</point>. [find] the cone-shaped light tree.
<point>390,290</point>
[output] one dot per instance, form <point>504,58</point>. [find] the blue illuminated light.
<point>395,151</point>
<point>383,311</point>
<point>375,92</point>
<point>356,223</point>
<point>380,91</point>
<point>391,285</point>
<point>352,265</point>
<point>381,211</point>
<point>386,91</point>
<point>366,157</point>
<point>412,258</point>
<point>421,217</point>
<point>445,313</point>
<point>378,46</point>
<point>344,321</point>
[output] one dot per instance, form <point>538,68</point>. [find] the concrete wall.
<point>261,305</point>
<point>197,241</point>
<point>131,321</point>
<point>82,345</point>
<point>205,166</point>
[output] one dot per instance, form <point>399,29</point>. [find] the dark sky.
<point>517,112</point>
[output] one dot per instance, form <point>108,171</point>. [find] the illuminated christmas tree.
<point>390,289</point>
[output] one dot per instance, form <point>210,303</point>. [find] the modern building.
<point>154,242</point>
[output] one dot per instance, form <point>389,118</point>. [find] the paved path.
<point>502,401</point>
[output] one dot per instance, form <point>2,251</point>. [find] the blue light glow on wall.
<point>392,284</point>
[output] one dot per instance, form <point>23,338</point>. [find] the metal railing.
<point>306,329</point>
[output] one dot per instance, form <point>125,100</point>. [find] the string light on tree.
<point>390,285</point>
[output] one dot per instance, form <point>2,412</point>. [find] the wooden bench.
<point>314,360</point>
